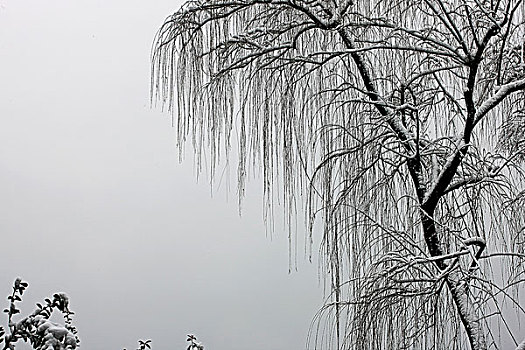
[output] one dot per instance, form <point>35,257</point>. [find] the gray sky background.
<point>94,202</point>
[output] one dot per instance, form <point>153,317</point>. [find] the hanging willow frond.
<point>397,123</point>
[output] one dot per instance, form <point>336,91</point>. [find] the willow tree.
<point>402,123</point>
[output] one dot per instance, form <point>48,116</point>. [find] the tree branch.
<point>471,180</point>
<point>502,93</point>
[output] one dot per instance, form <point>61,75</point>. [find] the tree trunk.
<point>459,288</point>
<point>467,310</point>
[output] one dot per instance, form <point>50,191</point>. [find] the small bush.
<point>37,329</point>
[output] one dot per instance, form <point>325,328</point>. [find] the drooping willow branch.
<point>401,120</point>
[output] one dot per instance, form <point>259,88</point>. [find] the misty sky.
<point>94,202</point>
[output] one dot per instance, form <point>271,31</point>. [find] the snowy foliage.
<point>36,328</point>
<point>144,344</point>
<point>194,344</point>
<point>42,334</point>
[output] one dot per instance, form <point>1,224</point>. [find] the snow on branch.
<point>502,92</point>
<point>369,108</point>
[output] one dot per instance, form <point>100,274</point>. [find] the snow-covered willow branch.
<point>397,125</point>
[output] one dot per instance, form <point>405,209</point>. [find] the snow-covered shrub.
<point>36,328</point>
<point>194,345</point>
<point>43,334</point>
<point>143,345</point>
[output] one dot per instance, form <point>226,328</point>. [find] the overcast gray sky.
<point>94,203</point>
